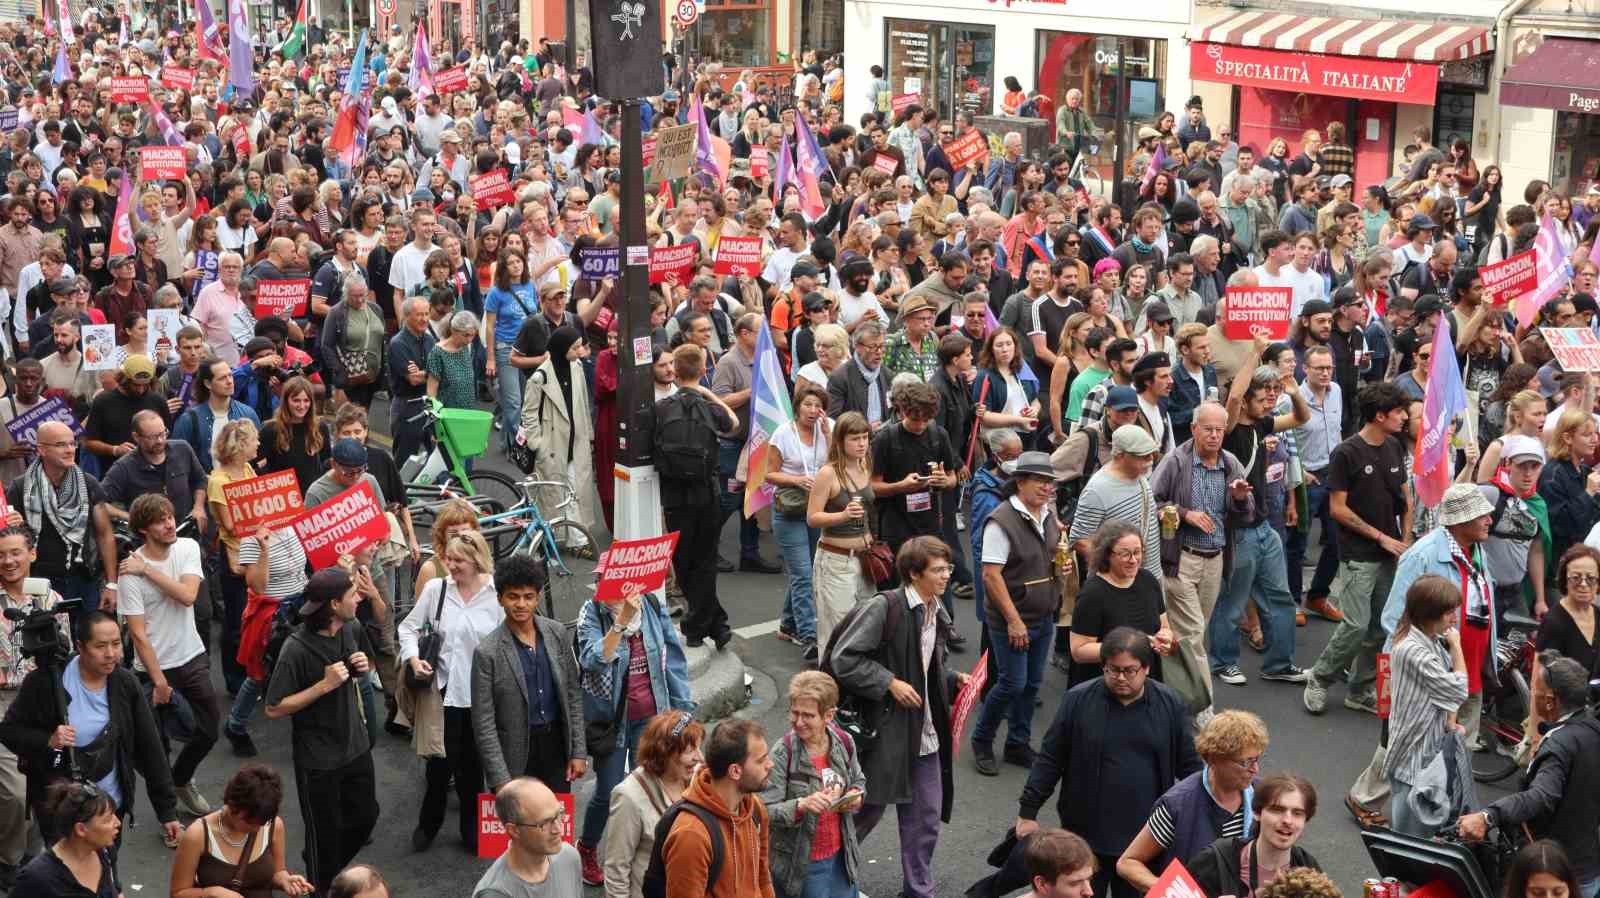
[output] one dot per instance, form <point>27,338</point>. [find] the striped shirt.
<point>1163,831</point>
<point>286,562</point>
<point>1423,689</point>
<point>1109,497</point>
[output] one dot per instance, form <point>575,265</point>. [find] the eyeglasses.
<point>1319,367</point>
<point>546,824</point>
<point>1126,673</point>
<point>1127,554</point>
<point>1249,763</point>
<point>1583,579</point>
<point>1072,243</point>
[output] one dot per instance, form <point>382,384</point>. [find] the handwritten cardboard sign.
<point>1575,348</point>
<point>674,149</point>
<point>131,89</point>
<point>99,347</point>
<point>283,298</point>
<point>600,262</point>
<point>343,525</point>
<point>1508,279</point>
<point>739,256</point>
<point>1257,310</point>
<point>972,146</point>
<point>270,499</point>
<point>163,163</point>
<point>635,562</point>
<point>451,80</point>
<point>493,840</point>
<point>177,78</point>
<point>24,428</point>
<point>492,190</point>
<point>672,264</point>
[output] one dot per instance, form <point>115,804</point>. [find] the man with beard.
<point>1152,380</point>
<point>123,296</point>
<point>727,791</point>
<point>1347,337</point>
<point>108,430</point>
<point>1312,327</point>
<point>14,456</point>
<point>64,377</point>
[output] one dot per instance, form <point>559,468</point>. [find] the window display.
<point>1575,163</point>
<point>950,66</point>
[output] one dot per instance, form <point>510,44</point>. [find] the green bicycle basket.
<point>465,431</point>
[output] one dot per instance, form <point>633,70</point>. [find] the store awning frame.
<point>1378,38</point>
<point>1562,73</point>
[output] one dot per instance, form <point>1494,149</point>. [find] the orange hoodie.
<point>687,852</point>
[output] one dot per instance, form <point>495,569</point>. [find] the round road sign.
<point>386,8</point>
<point>686,13</point>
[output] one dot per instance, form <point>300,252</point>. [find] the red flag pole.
<point>972,444</point>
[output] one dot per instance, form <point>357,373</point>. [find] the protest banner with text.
<point>177,78</point>
<point>283,298</point>
<point>969,147</point>
<point>492,190</point>
<point>1249,311</point>
<point>672,264</point>
<point>270,499</point>
<point>635,566</point>
<point>739,256</point>
<point>1506,280</point>
<point>24,428</point>
<point>451,80</point>
<point>1575,348</point>
<point>343,525</point>
<point>163,163</point>
<point>131,89</point>
<point>494,840</point>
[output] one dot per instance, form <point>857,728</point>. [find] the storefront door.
<point>951,67</point>
<point>1090,63</point>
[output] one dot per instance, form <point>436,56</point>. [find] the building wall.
<point>1016,23</point>
<point>1527,137</point>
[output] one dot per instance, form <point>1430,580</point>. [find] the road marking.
<point>754,630</point>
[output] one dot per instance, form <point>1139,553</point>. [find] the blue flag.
<point>63,69</point>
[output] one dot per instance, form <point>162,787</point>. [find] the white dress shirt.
<point>464,623</point>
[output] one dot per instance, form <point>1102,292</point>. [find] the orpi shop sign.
<point>1336,76</point>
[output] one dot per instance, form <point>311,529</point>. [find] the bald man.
<point>80,558</point>
<point>538,861</point>
<point>359,881</point>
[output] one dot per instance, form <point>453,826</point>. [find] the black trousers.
<point>460,760</point>
<point>340,809</point>
<point>547,757</point>
<point>695,560</point>
<point>193,682</point>
<point>1105,874</point>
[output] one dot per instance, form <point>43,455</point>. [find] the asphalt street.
<point>1330,750</point>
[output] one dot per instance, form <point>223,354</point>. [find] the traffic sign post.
<point>686,13</point>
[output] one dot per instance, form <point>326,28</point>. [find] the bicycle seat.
<point>1520,620</point>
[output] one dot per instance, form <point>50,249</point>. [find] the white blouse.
<point>464,623</point>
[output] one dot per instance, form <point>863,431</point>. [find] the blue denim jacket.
<point>669,669</point>
<point>1431,555</point>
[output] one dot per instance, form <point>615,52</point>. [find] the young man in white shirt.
<point>156,593</point>
<point>407,270</point>
<point>1307,284</point>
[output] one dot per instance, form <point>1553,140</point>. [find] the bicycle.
<point>1506,704</point>
<point>525,528</point>
<point>439,475</point>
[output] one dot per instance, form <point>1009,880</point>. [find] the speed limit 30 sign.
<point>686,14</point>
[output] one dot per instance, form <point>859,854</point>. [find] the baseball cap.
<point>1518,446</point>
<point>63,285</point>
<point>1340,181</point>
<point>814,302</point>
<point>803,270</point>
<point>1132,439</point>
<point>1315,307</point>
<point>349,453</point>
<point>1158,311</point>
<point>1122,398</point>
<point>449,135</point>
<point>139,368</point>
<point>1427,305</point>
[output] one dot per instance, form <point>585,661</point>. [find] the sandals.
<point>1365,817</point>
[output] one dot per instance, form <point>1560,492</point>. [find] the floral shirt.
<point>899,355</point>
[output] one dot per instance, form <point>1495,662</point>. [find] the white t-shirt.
<point>778,267</point>
<point>406,269</point>
<point>240,241</point>
<point>851,308</point>
<point>1307,285</point>
<point>169,623</point>
<point>1152,413</point>
<point>797,458</point>
<point>813,372</point>
<point>996,545</point>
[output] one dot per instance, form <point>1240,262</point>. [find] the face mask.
<point>1008,467</point>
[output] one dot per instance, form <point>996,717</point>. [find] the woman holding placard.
<point>236,444</point>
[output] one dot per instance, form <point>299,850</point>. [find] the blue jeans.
<point>508,386</point>
<point>1258,569</point>
<point>1019,675</point>
<point>1317,507</point>
<point>608,771</point>
<point>799,545</point>
<point>827,879</point>
<point>733,501</point>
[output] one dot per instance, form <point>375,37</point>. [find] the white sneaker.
<point>1315,697</point>
<point>1204,717</point>
<point>190,799</point>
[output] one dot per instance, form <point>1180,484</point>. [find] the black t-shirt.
<point>1560,632</point>
<point>678,493</point>
<point>1102,607</point>
<point>533,338</point>
<point>328,733</point>
<point>52,558</point>
<point>381,465</point>
<point>1244,441</point>
<point>47,875</point>
<point>896,452</point>
<point>307,467</point>
<point>1373,479</point>
<point>111,416</point>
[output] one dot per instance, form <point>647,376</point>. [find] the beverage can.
<point>1169,521</point>
<point>1372,888</point>
<point>1391,887</point>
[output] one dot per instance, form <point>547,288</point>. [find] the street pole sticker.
<point>640,563</point>
<point>24,428</point>
<point>600,262</point>
<point>451,80</point>
<point>133,89</point>
<point>343,525</point>
<point>270,499</point>
<point>1506,280</point>
<point>740,256</point>
<point>1249,311</point>
<point>493,840</point>
<point>1176,882</point>
<point>673,153</point>
<point>163,163</point>
<point>1575,348</point>
<point>283,298</point>
<point>672,264</point>
<point>492,190</point>
<point>969,147</point>
<point>647,152</point>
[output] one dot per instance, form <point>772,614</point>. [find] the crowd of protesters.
<point>1005,391</point>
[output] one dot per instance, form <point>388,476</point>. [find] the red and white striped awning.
<point>1382,39</point>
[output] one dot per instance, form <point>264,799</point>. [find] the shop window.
<point>822,27</point>
<point>951,67</point>
<point>1092,64</point>
<point>1575,162</point>
<point>1452,116</point>
<point>737,34</point>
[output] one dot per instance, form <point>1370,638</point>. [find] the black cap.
<point>1185,211</point>
<point>258,344</point>
<point>1315,307</point>
<point>1428,304</point>
<point>814,302</point>
<point>1157,311</point>
<point>802,269</point>
<point>1345,296</point>
<point>852,264</point>
<point>1152,361</point>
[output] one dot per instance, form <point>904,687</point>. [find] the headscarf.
<point>561,342</point>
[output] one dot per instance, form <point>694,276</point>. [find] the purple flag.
<point>1445,399</point>
<point>169,133</point>
<point>210,41</point>
<point>1157,161</point>
<point>1555,272</point>
<point>349,136</point>
<point>241,54</point>
<point>705,158</point>
<point>421,79</point>
<point>783,176</point>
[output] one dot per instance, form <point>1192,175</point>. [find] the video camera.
<point>38,635</point>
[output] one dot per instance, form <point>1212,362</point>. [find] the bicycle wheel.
<point>497,486</point>
<point>571,587</point>
<point>1501,732</point>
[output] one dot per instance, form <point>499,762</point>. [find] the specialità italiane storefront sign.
<point>1339,76</point>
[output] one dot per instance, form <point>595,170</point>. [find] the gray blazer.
<point>500,699</point>
<point>847,390</point>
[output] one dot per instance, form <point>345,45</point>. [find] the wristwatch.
<point>1488,817</point>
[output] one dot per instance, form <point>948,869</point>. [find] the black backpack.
<point>685,438</point>
<point>1069,491</point>
<point>857,715</point>
<point>655,876</point>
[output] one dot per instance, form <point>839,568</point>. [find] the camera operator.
<point>1557,797</point>
<point>257,380</point>
<point>296,361</point>
<point>16,558</point>
<point>66,507</point>
<point>108,431</point>
<point>159,466</point>
<point>108,721</point>
<point>156,596</point>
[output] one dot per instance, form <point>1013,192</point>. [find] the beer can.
<point>1372,888</point>
<point>1391,887</point>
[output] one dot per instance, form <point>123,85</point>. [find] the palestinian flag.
<point>295,45</point>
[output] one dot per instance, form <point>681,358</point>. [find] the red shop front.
<point>1294,73</point>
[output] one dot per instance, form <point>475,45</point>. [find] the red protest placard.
<point>493,840</point>
<point>672,264</point>
<point>1506,280</point>
<point>969,147</point>
<point>1576,348</point>
<point>647,151</point>
<point>451,80</point>
<point>163,163</point>
<point>1175,882</point>
<point>968,697</point>
<point>758,163</point>
<point>133,89</point>
<point>885,163</point>
<point>1383,685</point>
<point>901,102</point>
<point>1257,310</point>
<point>739,255</point>
<point>269,499</point>
<point>492,190</point>
<point>285,299</point>
<point>631,563</point>
<point>177,78</point>
<point>343,525</point>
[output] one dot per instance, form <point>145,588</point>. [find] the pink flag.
<point>1443,400</point>
<point>209,43</point>
<point>64,22</point>
<point>1157,161</point>
<point>810,166</point>
<point>122,225</point>
<point>421,80</point>
<point>590,130</point>
<point>705,155</point>
<point>1554,272</point>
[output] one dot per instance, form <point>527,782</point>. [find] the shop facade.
<point>1274,74</point>
<point>955,56</point>
<point>1549,98</point>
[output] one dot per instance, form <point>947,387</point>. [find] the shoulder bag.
<point>600,736</point>
<point>428,645</point>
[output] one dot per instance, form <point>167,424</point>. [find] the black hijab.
<point>561,342</point>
